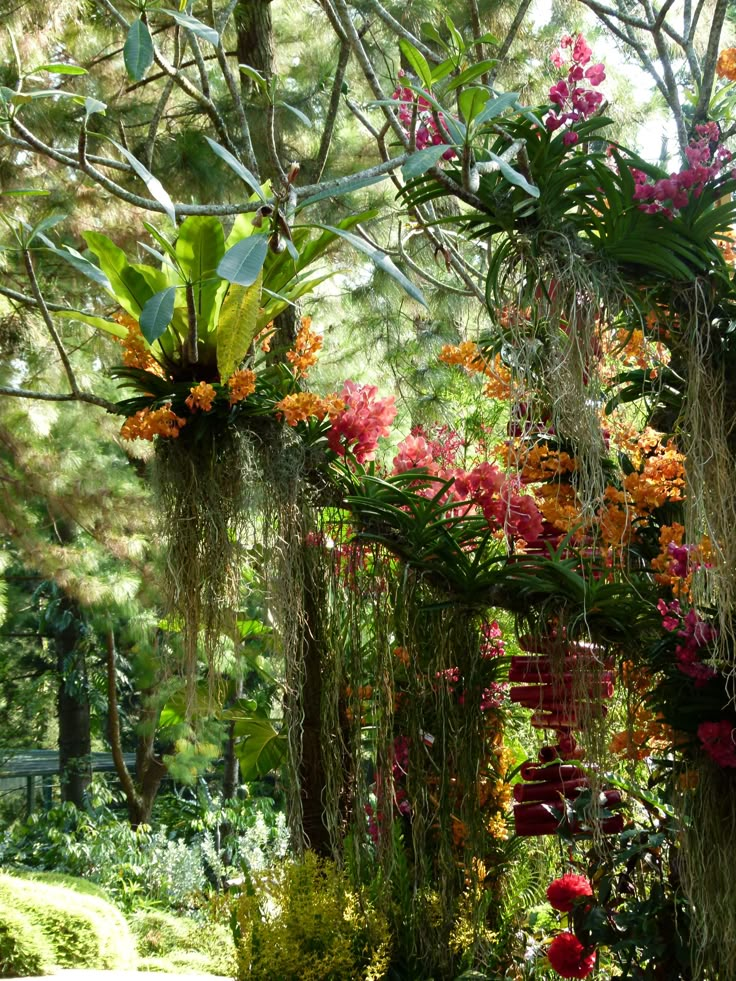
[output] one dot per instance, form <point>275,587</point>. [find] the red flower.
<point>569,958</point>
<point>563,892</point>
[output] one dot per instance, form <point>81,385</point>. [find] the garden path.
<point>123,976</point>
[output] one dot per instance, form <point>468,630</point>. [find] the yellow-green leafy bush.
<point>178,944</point>
<point>24,951</point>
<point>302,922</point>
<point>81,929</point>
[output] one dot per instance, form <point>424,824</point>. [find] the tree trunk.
<point>232,766</point>
<point>140,793</point>
<point>255,47</point>
<point>73,707</point>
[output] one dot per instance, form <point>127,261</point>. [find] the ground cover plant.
<point>402,555</point>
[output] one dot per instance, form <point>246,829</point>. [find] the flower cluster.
<point>363,420</point>
<point>718,741</point>
<point>673,193</point>
<point>152,422</point>
<point>569,958</point>
<point>201,396</point>
<point>694,634</point>
<point>415,112</point>
<point>241,384</point>
<point>726,64</point>
<point>300,406</point>
<point>574,101</point>
<point>564,892</point>
<point>469,356</point>
<point>499,500</point>
<point>136,352</point>
<point>307,346</point>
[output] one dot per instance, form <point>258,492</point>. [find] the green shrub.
<point>24,951</point>
<point>82,929</point>
<point>302,922</point>
<point>179,943</point>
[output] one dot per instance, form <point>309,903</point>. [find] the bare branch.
<point>48,320</point>
<point>510,36</point>
<point>24,393</point>
<point>332,110</point>
<point>709,63</point>
<point>400,31</point>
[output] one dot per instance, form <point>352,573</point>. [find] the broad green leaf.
<point>472,102</point>
<point>190,23</point>
<point>243,262</point>
<point>418,62</point>
<point>57,68</point>
<point>514,177</point>
<point>237,326</point>
<point>455,34</point>
<point>380,260</point>
<point>431,32</point>
<point>154,185</point>
<point>298,113</point>
<point>444,69</point>
<point>199,249</point>
<point>126,284</point>
<point>494,107</point>
<point>420,162</point>
<point>260,748</point>
<point>157,313</point>
<point>470,74</point>
<point>237,167</point>
<point>99,323</point>
<point>70,255</point>
<point>485,39</point>
<point>138,50</point>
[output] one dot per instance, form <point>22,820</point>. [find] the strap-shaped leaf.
<point>380,260</point>
<point>154,185</point>
<point>237,326</point>
<point>237,167</point>
<point>420,162</point>
<point>197,27</point>
<point>138,50</point>
<point>157,313</point>
<point>243,262</point>
<point>418,62</point>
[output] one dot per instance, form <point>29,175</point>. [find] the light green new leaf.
<point>471,102</point>
<point>138,50</point>
<point>470,74</point>
<point>99,323</point>
<point>237,326</point>
<point>59,68</point>
<point>418,62</point>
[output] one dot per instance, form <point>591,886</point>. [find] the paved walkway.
<point>125,976</point>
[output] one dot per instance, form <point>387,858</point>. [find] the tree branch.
<point>24,393</point>
<point>332,109</point>
<point>510,37</point>
<point>48,320</point>
<point>709,63</point>
<point>400,31</point>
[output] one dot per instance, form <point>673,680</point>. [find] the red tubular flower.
<point>563,892</point>
<point>569,958</point>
